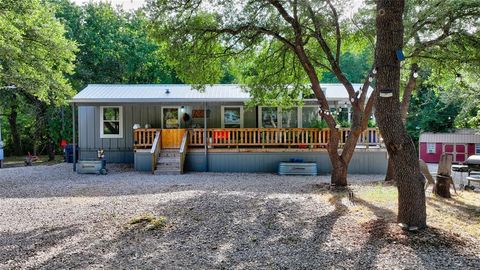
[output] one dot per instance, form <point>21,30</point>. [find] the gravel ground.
<point>52,218</point>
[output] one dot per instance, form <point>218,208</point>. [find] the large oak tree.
<point>290,43</point>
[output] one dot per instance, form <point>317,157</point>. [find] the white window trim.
<point>120,123</point>
<point>222,116</point>
<point>300,114</point>
<point>170,107</point>
<point>279,116</point>
<point>434,148</point>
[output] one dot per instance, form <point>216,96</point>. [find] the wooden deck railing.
<point>262,137</point>
<point>283,137</point>
<point>144,137</point>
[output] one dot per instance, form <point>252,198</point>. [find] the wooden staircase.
<point>169,162</point>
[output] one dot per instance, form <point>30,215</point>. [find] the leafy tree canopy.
<point>34,52</point>
<point>115,46</point>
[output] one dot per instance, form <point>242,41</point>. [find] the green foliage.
<point>355,66</point>
<point>34,53</point>
<point>317,123</point>
<point>114,45</point>
<point>246,33</point>
<point>38,42</point>
<point>372,123</point>
<point>430,112</point>
<point>345,124</point>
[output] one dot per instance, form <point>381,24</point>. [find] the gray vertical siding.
<point>363,162</point>
<point>121,150</point>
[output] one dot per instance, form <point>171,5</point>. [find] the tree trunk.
<point>411,195</point>
<point>339,166</point>
<point>407,94</point>
<point>389,176</point>
<point>15,136</point>
<point>51,150</point>
<point>442,186</point>
<point>40,121</point>
<point>339,171</point>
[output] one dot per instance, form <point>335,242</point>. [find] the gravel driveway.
<point>52,218</point>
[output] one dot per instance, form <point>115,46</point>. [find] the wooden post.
<point>444,178</point>
<point>74,139</point>
<point>205,137</point>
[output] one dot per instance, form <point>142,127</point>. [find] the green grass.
<point>459,215</point>
<point>378,193</point>
<point>149,221</point>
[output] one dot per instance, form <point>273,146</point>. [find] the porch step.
<point>168,162</point>
<point>170,153</point>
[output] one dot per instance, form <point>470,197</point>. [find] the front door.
<point>172,134</point>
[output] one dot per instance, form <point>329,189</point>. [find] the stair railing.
<point>155,151</point>
<point>183,150</point>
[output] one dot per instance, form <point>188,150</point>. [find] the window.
<point>232,116</point>
<point>170,118</point>
<point>430,148</point>
<point>290,118</point>
<point>310,117</point>
<point>268,117</point>
<point>111,122</point>
<point>477,149</point>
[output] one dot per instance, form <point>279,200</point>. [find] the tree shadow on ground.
<point>465,209</point>
<point>233,229</point>
<point>449,250</point>
<point>17,248</point>
<point>219,230</point>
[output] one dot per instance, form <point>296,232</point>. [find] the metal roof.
<point>144,93</point>
<point>459,136</point>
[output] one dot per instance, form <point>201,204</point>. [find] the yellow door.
<point>172,138</point>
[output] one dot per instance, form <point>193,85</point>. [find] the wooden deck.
<point>255,139</point>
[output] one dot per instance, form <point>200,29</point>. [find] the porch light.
<point>167,91</point>
<point>458,77</point>
<point>182,109</point>
<point>345,105</point>
<point>374,71</point>
<point>387,92</point>
<point>370,78</point>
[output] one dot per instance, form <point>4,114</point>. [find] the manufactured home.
<point>460,144</point>
<point>172,128</point>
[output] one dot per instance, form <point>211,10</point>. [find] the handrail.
<point>183,150</point>
<point>155,151</point>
